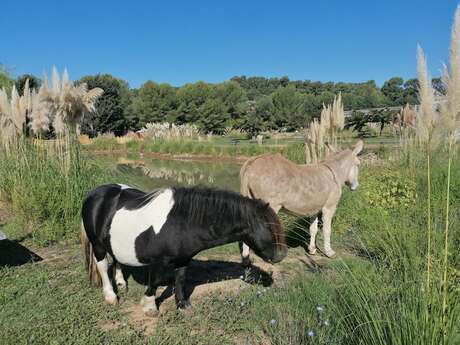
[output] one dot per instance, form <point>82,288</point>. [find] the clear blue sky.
<point>186,41</point>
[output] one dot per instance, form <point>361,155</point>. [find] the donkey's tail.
<point>90,259</point>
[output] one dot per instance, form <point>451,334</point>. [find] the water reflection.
<point>152,173</point>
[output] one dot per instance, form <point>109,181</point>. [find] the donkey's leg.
<point>313,232</point>
<point>181,300</point>
<point>109,295</point>
<point>119,278</point>
<point>328,213</point>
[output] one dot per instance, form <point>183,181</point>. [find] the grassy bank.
<point>216,148</point>
<point>377,296</point>
<point>44,187</point>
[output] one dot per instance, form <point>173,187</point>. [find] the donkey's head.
<point>351,180</point>
<point>266,238</point>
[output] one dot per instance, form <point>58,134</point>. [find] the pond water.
<point>150,173</point>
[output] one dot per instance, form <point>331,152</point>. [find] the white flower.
<point>311,333</point>
<point>273,322</point>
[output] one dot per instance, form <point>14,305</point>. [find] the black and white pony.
<point>166,228</point>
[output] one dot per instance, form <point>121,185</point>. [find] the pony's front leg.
<point>246,261</point>
<point>149,306</point>
<point>148,303</point>
<point>109,295</point>
<point>244,251</point>
<point>328,213</point>
<point>181,301</point>
<point>313,232</point>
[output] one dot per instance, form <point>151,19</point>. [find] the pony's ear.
<point>358,147</point>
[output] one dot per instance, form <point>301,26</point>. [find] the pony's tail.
<point>90,259</point>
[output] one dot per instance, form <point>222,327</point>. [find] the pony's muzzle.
<point>279,255</point>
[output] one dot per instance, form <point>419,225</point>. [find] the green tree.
<point>34,82</point>
<point>5,79</point>
<point>110,114</point>
<point>394,91</point>
<point>191,98</point>
<point>411,91</point>
<point>288,108</point>
<point>214,116</point>
<point>155,103</point>
<point>439,86</point>
<point>231,94</point>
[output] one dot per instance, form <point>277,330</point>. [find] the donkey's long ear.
<point>331,148</point>
<point>358,147</point>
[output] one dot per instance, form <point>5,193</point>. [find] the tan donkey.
<point>304,190</point>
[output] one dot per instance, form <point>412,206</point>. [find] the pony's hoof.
<point>312,251</point>
<point>111,299</point>
<point>330,254</point>
<point>121,284</point>
<point>184,306</point>
<point>150,312</point>
<point>149,306</point>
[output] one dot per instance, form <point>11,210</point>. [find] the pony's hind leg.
<point>119,278</point>
<point>103,269</point>
<point>313,232</point>
<point>109,295</point>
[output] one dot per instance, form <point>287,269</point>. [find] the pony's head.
<point>352,176</point>
<point>266,236</point>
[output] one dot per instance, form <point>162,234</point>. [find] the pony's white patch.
<point>127,225</point>
<point>124,186</point>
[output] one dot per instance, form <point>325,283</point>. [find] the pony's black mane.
<point>203,205</point>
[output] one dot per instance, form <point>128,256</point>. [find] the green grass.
<point>378,296</point>
<point>44,188</point>
<point>219,147</point>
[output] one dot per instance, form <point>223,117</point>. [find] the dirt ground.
<point>209,274</point>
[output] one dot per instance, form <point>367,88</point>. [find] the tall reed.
<point>45,180</point>
<point>451,118</point>
<point>322,135</point>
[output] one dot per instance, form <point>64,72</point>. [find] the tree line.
<point>253,104</point>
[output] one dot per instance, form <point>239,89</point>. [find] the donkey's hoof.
<point>330,254</point>
<point>111,298</point>
<point>312,250</point>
